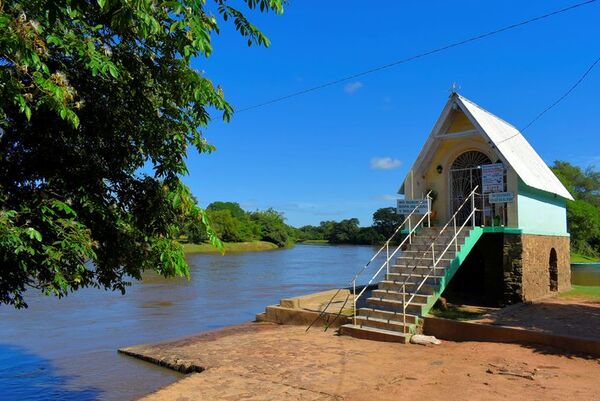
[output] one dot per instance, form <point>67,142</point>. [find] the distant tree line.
<point>348,231</point>
<point>231,223</point>
<point>584,212</point>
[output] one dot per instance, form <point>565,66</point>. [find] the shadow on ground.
<point>581,319</point>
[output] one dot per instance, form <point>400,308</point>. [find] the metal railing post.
<point>433,255</point>
<point>354,302</point>
<point>387,255</point>
<point>409,232</point>
<point>428,211</point>
<point>473,208</point>
<point>455,239</point>
<point>404,308</point>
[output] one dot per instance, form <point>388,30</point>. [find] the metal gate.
<point>465,174</point>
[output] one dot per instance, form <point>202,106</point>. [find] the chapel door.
<point>465,175</point>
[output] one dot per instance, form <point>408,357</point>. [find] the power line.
<point>557,101</point>
<point>416,57</point>
<point>567,93</point>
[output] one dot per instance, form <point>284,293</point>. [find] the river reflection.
<point>66,349</point>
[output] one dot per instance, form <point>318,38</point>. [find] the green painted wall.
<point>541,212</point>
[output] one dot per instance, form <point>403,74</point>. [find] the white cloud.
<point>385,163</point>
<point>388,197</point>
<point>353,87</point>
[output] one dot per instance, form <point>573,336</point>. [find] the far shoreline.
<point>250,246</point>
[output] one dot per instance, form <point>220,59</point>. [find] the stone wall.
<point>536,264</point>
<point>512,263</point>
<point>505,268</point>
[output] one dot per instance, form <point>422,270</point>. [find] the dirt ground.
<point>566,317</point>
<point>263,361</point>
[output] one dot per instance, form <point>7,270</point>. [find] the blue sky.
<point>343,151</point>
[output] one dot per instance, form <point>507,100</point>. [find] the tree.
<point>92,92</point>
<point>386,221</point>
<point>225,225</point>
<point>344,232</point>
<point>272,226</point>
<point>583,214</point>
<point>246,229</point>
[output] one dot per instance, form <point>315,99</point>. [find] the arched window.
<point>553,270</point>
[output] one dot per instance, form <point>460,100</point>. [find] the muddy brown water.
<point>66,349</point>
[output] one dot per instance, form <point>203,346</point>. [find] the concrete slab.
<point>262,361</point>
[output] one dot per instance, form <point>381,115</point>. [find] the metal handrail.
<point>384,264</point>
<point>387,243</point>
<point>388,256</point>
<point>471,217</point>
<point>453,218</point>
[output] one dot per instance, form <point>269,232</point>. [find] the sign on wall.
<point>502,197</point>
<point>492,177</point>
<point>406,206</point>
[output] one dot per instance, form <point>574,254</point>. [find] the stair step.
<point>423,241</point>
<point>397,296</point>
<point>426,255</point>
<point>387,315</point>
<point>417,269</point>
<point>391,325</point>
<point>370,333</point>
<point>413,308</point>
<point>415,278</point>
<point>444,238</point>
<point>409,287</point>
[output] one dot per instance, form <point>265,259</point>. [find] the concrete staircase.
<point>412,280</point>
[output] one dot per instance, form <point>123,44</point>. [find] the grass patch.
<point>315,241</point>
<point>579,258</point>
<point>582,292</point>
<point>456,312</point>
<point>252,246</point>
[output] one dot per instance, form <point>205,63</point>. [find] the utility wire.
<point>567,93</point>
<point>417,56</point>
<point>556,102</point>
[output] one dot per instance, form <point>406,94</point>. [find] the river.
<point>65,349</point>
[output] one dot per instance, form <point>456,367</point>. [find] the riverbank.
<point>579,258</point>
<point>272,362</point>
<point>252,246</point>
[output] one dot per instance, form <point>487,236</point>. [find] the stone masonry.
<point>526,265</point>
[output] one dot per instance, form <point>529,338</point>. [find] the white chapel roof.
<point>510,144</point>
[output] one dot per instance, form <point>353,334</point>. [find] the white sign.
<point>492,177</point>
<point>406,206</point>
<point>502,197</point>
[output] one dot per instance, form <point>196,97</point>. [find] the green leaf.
<point>113,70</point>
<point>34,234</point>
<point>101,3</point>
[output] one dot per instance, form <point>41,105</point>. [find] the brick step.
<point>370,333</point>
<point>410,286</point>
<point>386,315</point>
<point>391,325</point>
<point>397,296</point>
<point>392,305</point>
